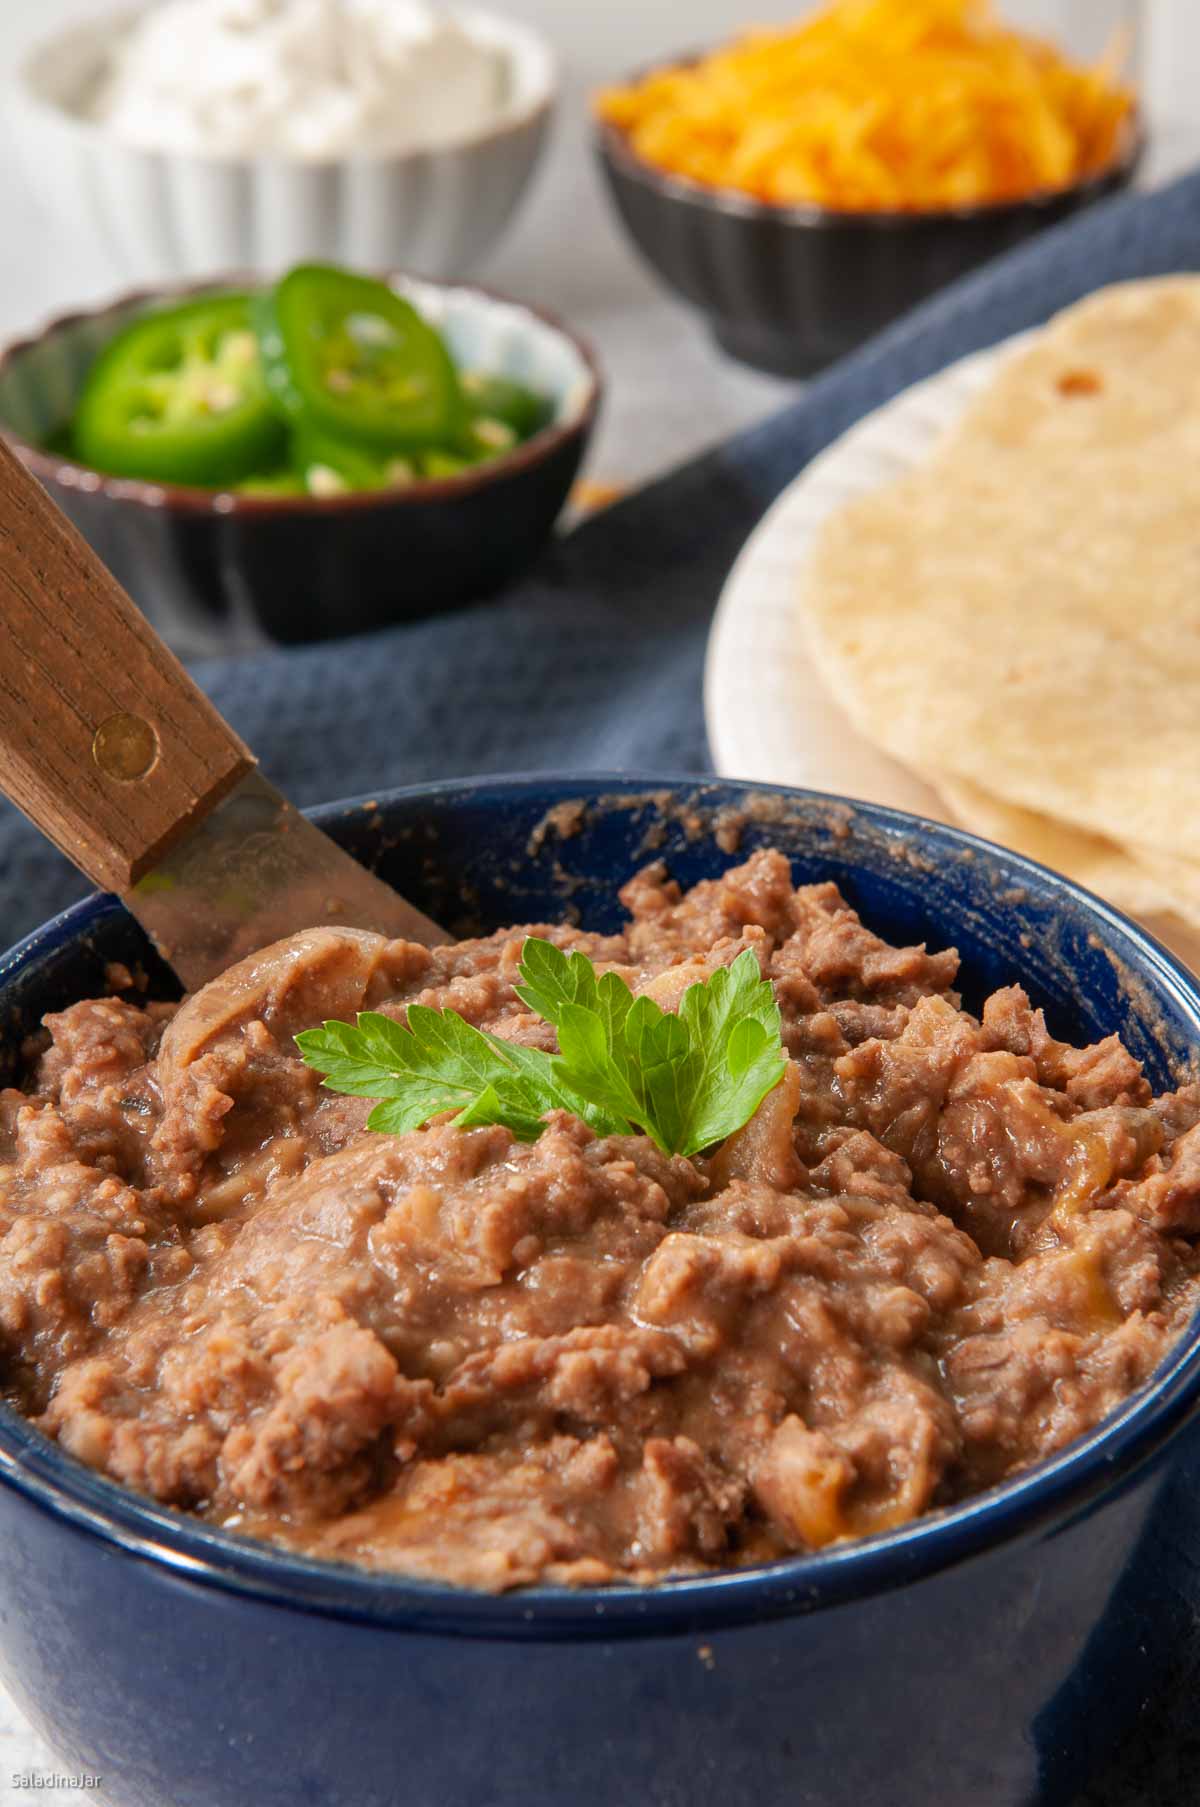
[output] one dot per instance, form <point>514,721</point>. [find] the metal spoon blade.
<point>252,871</point>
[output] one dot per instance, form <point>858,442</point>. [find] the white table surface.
<point>669,392</point>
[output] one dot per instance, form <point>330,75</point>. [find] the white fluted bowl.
<point>163,215</point>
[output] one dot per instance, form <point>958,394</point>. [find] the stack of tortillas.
<point>1018,621</point>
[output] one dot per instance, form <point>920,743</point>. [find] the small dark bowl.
<point>979,1657</point>
<point>789,289</point>
<point>218,571</point>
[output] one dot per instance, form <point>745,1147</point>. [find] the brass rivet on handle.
<point>125,748</point>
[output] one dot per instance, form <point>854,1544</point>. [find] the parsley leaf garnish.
<point>439,1063</point>
<point>686,1080</point>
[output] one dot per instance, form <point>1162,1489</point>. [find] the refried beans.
<point>942,1248</point>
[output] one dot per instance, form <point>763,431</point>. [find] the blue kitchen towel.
<point>595,660</point>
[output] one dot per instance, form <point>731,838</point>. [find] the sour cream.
<point>299,78</point>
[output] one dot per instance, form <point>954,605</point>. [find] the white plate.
<point>769,716</point>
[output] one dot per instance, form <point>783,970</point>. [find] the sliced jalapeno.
<point>179,397</point>
<point>445,464</point>
<point>355,359</point>
<point>330,467</point>
<point>273,483</point>
<point>512,404</point>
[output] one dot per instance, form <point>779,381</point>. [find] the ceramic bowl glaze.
<point>219,572</point>
<point>981,1656</point>
<point>789,289</point>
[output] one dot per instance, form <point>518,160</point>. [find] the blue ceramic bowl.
<point>979,1657</point>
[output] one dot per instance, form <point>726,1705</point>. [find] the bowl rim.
<point>68,473</point>
<point>515,35</point>
<point>614,149</point>
<point>1055,1491</point>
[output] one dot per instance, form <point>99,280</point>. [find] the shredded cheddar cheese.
<point>880,105</point>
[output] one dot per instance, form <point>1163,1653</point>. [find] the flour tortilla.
<point>1022,615</point>
<point>1145,885</point>
<point>1162,893</point>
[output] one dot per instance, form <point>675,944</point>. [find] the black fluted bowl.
<point>981,1656</point>
<point>789,289</point>
<point>224,572</point>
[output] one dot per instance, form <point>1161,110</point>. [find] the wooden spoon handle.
<point>105,742</point>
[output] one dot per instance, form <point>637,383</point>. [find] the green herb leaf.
<point>552,981</point>
<point>686,1080</point>
<point>441,1063</point>
<point>734,1027</point>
